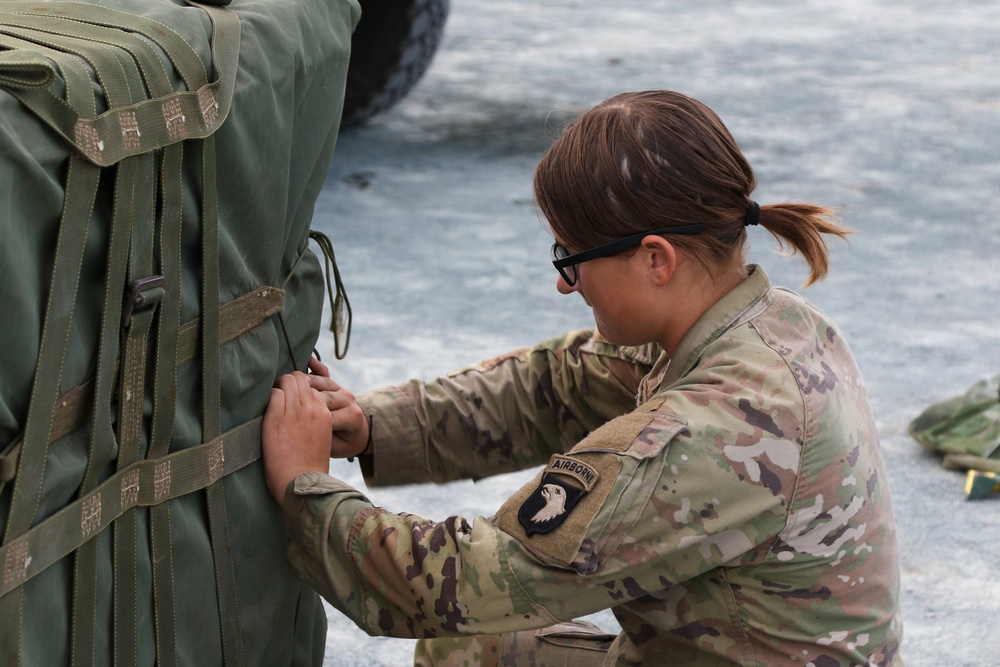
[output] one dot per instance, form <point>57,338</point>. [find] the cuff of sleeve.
<point>317,483</point>
<point>397,455</point>
<point>319,512</point>
<point>305,514</point>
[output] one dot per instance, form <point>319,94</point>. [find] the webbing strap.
<point>130,417</point>
<point>164,397</point>
<point>102,439</point>
<point>88,17</point>
<point>147,293</point>
<point>210,310</point>
<point>165,380</point>
<point>29,69</point>
<point>24,69</point>
<point>189,66</point>
<point>225,576</point>
<point>149,63</point>
<point>163,585</point>
<point>113,76</point>
<point>236,318</point>
<point>81,190</point>
<point>143,484</point>
<point>148,125</point>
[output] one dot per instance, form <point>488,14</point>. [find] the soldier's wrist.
<point>368,444</point>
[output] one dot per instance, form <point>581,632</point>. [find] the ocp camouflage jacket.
<point>729,503</point>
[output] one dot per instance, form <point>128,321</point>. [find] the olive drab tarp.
<point>965,430</point>
<point>157,178</point>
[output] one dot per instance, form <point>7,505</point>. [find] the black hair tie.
<point>753,215</point>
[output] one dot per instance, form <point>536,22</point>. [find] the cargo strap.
<point>235,319</point>
<point>143,484</point>
<point>107,138</point>
<point>81,190</point>
<point>72,408</point>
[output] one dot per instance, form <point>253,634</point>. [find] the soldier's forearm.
<point>401,575</point>
<point>503,414</point>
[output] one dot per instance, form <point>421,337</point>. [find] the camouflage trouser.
<point>572,644</point>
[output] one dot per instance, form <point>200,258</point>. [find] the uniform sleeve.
<point>642,518</point>
<point>400,575</point>
<point>501,415</point>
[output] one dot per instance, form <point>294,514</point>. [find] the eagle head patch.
<point>564,483</point>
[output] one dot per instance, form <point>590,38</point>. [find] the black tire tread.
<point>392,47</point>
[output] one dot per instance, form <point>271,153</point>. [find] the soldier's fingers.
<point>277,401</point>
<point>347,418</point>
<point>287,385</point>
<point>304,393</point>
<point>330,400</point>
<point>322,383</point>
<point>336,400</point>
<point>318,367</point>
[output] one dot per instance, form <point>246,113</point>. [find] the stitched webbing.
<point>24,69</point>
<point>236,318</point>
<point>118,77</point>
<point>143,484</point>
<point>102,439</point>
<point>81,192</point>
<point>225,576</point>
<point>62,295</point>
<point>70,243</point>
<point>88,17</point>
<point>149,63</point>
<point>146,125</point>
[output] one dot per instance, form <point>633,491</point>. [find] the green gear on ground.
<point>965,430</point>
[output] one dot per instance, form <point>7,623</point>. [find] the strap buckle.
<point>143,294</point>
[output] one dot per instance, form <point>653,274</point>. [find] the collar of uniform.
<point>738,306</point>
<point>651,383</point>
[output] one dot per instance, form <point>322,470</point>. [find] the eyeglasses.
<point>565,263</point>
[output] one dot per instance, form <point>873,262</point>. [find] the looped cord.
<point>753,215</point>
<point>340,306</point>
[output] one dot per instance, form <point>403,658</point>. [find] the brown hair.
<point>645,160</point>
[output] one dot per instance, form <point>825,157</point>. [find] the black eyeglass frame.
<point>610,248</point>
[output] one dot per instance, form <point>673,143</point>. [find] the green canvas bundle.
<point>965,430</point>
<point>159,163</point>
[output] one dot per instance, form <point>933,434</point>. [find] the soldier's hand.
<point>350,426</point>
<point>296,433</point>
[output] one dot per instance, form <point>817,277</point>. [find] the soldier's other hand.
<point>350,426</point>
<point>296,433</point>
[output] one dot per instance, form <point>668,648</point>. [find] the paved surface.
<point>888,110</point>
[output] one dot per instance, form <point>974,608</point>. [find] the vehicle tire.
<point>392,47</point>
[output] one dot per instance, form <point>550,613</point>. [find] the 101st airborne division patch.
<point>564,483</point>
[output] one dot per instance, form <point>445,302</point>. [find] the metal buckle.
<point>137,299</point>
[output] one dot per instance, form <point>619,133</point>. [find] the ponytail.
<point>799,228</point>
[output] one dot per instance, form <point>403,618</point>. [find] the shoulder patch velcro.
<point>564,483</point>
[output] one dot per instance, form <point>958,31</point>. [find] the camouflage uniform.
<point>740,514</point>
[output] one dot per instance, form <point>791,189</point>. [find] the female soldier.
<point>712,470</point>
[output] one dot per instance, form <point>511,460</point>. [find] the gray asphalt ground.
<point>888,110</point>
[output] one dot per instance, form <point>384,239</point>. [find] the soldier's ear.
<point>660,257</point>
